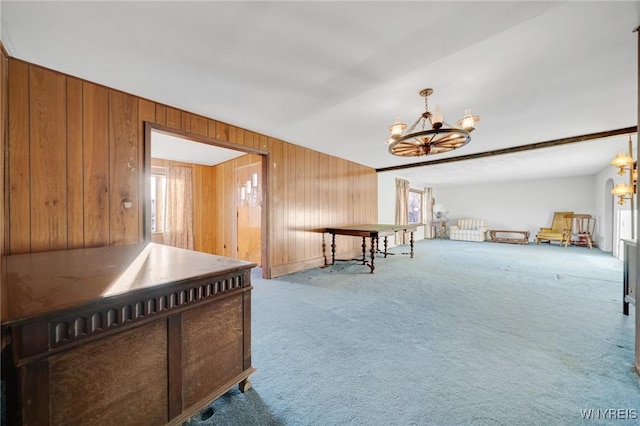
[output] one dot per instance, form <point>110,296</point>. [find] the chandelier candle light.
<point>436,138</point>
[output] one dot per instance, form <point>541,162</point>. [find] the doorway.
<point>249,225</point>
<point>222,226</point>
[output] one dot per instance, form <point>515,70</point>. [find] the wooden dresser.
<point>144,335</point>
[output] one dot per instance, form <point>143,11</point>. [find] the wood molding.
<point>529,147</point>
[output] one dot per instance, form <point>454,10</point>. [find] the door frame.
<point>146,175</point>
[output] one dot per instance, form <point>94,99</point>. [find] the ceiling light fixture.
<point>438,137</point>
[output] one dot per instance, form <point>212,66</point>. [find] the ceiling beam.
<point>529,147</point>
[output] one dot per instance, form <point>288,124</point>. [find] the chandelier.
<point>436,138</point>
<point>250,193</point>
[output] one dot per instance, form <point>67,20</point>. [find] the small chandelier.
<point>436,138</point>
<point>250,193</point>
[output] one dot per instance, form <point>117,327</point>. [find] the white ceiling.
<point>332,76</point>
<point>170,147</point>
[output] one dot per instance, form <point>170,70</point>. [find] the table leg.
<point>373,254</point>
<point>385,247</point>
<point>333,249</point>
<point>364,250</point>
<point>411,244</point>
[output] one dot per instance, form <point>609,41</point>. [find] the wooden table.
<point>373,232</point>
<point>524,239</point>
<point>141,335</point>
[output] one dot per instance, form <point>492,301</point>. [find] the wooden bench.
<point>509,237</point>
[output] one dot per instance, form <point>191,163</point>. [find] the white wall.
<point>518,205</point>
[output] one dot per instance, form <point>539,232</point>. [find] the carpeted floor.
<point>463,334</point>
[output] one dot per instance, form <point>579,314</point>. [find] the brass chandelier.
<point>438,137</point>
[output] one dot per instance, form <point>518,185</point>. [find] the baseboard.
<point>289,268</point>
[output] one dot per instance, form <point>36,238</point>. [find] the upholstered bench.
<point>469,230</point>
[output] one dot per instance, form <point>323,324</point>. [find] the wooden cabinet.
<point>630,288</point>
<point>143,335</point>
<point>629,276</point>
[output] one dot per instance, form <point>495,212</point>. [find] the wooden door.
<point>249,230</point>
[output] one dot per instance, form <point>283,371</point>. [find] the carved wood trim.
<point>72,327</point>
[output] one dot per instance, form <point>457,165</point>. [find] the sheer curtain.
<point>402,208</point>
<point>427,209</point>
<point>179,210</point>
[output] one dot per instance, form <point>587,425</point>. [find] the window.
<point>158,199</point>
<point>415,207</point>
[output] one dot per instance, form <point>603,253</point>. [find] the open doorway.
<point>221,223</point>
<point>249,225</point>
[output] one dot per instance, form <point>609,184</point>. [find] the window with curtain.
<point>414,209</point>
<point>158,199</point>
<point>178,211</point>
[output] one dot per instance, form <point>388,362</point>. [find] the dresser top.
<point>41,283</point>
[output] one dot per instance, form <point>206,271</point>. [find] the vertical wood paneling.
<point>4,84</point>
<point>95,107</point>
<point>174,118</point>
<point>161,114</point>
<point>222,131</point>
<point>48,156</point>
<point>236,135</point>
<point>123,156</point>
<point>75,165</point>
<point>307,204</point>
<point>264,143</point>
<point>199,125</point>
<point>298,207</point>
<point>19,232</point>
<point>98,135</point>
<point>186,121</point>
<point>277,200</point>
<point>211,128</point>
<point>197,177</point>
<point>289,180</point>
<point>325,199</point>
<point>146,111</point>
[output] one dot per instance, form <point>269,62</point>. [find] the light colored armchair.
<point>560,230</point>
<point>469,230</point>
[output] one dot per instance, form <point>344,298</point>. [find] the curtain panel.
<point>402,208</point>
<point>179,209</point>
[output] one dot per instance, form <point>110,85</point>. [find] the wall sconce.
<point>250,193</point>
<point>625,163</point>
<point>623,191</point>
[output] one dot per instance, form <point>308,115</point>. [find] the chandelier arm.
<point>413,126</point>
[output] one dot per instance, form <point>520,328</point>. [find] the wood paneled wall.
<point>4,63</point>
<point>75,154</point>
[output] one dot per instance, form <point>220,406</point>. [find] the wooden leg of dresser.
<point>244,385</point>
